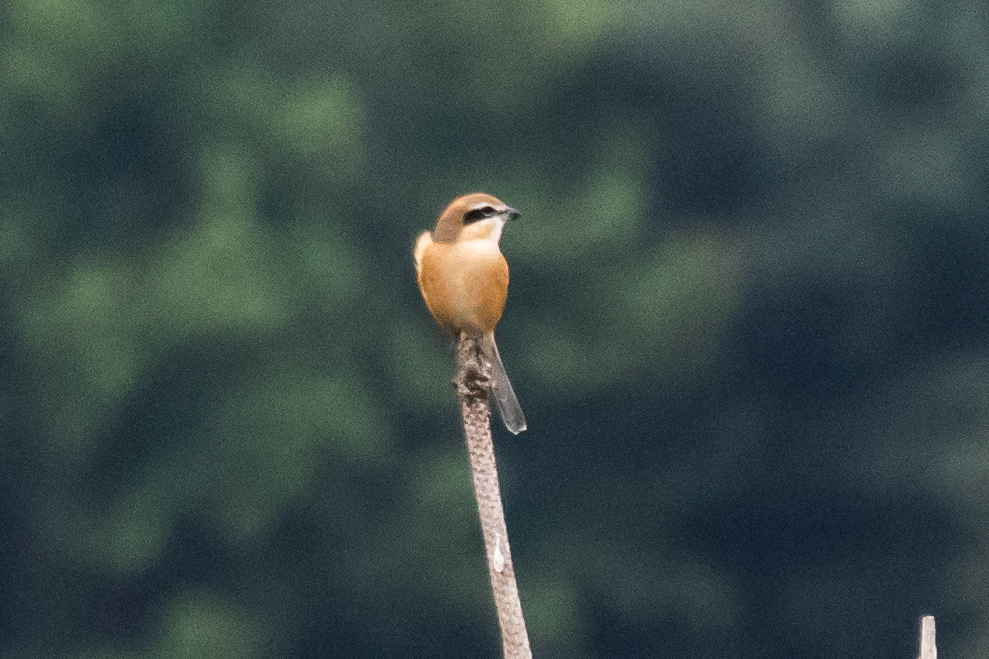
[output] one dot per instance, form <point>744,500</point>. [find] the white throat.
<point>488,229</point>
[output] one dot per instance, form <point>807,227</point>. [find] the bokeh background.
<point>748,324</point>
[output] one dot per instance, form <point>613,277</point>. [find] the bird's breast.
<point>465,284</point>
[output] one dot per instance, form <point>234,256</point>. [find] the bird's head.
<point>473,216</point>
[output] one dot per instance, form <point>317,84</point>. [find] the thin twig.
<point>928,648</point>
<point>473,373</point>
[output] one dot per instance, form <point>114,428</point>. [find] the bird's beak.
<point>512,213</point>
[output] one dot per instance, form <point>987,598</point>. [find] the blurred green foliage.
<point>749,325</point>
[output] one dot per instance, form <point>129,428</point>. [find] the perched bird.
<point>464,279</point>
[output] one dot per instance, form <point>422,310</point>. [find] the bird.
<point>463,277</point>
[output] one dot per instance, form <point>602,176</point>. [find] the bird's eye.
<point>476,214</point>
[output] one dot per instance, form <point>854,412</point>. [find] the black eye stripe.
<point>476,214</point>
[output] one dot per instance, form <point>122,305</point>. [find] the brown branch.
<point>473,374</point>
<point>928,649</point>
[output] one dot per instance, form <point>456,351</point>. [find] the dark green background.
<point>748,323</point>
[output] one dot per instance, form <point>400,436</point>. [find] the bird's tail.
<point>501,388</point>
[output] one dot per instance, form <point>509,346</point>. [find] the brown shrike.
<point>464,279</point>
